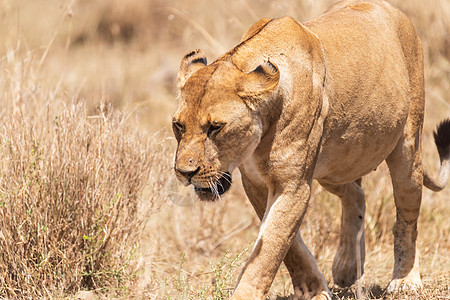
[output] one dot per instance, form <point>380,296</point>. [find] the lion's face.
<point>217,124</point>
<point>215,130</point>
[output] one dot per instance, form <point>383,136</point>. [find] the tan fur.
<point>329,100</point>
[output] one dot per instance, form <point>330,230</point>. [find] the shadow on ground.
<point>374,292</point>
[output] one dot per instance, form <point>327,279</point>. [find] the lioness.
<point>329,100</point>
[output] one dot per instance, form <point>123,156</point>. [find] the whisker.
<point>216,191</point>
<point>171,177</point>
<point>224,173</point>
<point>226,176</point>
<point>211,187</point>
<point>218,182</point>
<point>167,170</point>
<point>218,196</point>
<point>217,177</point>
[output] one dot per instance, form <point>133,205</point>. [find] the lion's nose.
<point>188,174</point>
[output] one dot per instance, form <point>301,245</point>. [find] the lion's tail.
<point>442,140</point>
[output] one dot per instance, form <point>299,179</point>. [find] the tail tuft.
<point>442,139</point>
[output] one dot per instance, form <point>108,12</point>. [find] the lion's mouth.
<point>216,189</point>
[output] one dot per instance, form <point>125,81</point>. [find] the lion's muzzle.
<point>208,185</point>
<point>187,174</point>
<point>218,187</point>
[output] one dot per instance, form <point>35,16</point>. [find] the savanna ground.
<point>87,196</point>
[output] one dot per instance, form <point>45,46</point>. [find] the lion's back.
<point>374,61</point>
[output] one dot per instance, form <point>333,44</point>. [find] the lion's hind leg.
<point>405,166</point>
<point>348,264</point>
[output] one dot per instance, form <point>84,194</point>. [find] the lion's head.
<point>216,124</point>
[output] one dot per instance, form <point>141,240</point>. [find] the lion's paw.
<point>318,295</point>
<point>345,275</point>
<point>322,296</point>
<point>345,268</point>
<point>405,285</point>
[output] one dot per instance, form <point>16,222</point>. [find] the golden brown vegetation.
<point>85,187</point>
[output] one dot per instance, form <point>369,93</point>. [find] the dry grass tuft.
<point>69,199</point>
<point>70,187</point>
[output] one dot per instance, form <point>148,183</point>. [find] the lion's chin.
<point>214,192</point>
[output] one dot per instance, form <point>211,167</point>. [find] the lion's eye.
<point>178,128</point>
<point>214,129</point>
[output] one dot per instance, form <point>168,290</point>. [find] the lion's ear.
<point>264,79</point>
<point>255,28</point>
<point>191,62</point>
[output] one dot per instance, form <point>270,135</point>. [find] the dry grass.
<point>71,169</point>
<point>70,185</point>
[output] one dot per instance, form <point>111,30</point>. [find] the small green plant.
<point>223,270</point>
<point>180,281</point>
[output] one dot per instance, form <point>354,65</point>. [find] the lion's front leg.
<point>277,233</point>
<point>307,280</point>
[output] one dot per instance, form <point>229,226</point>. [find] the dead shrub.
<point>69,195</point>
